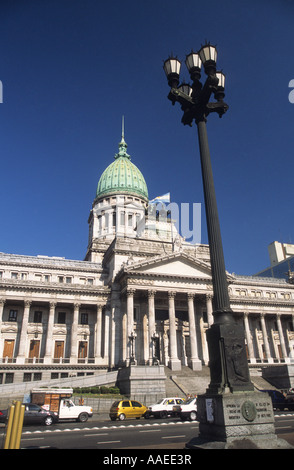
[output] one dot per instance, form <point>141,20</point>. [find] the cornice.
<point>49,263</point>
<point>260,281</point>
<point>261,302</point>
<point>36,286</point>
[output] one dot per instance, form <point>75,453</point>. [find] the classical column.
<point>174,362</point>
<point>124,338</point>
<point>282,339</point>
<point>23,333</point>
<point>115,309</point>
<point>203,335</point>
<point>107,315</point>
<point>194,361</point>
<point>49,337</point>
<point>74,334</point>
<point>151,324</point>
<point>98,334</point>
<point>291,343</point>
<point>209,309</point>
<point>249,339</point>
<point>130,321</point>
<point>265,339</point>
<point>2,303</point>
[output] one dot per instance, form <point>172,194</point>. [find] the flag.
<point>164,199</point>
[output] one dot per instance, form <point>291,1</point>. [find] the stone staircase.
<point>186,381</point>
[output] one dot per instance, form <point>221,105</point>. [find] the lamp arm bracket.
<point>218,107</point>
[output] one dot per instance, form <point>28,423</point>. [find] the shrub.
<point>103,390</point>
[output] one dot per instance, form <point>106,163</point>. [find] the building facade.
<point>143,295</point>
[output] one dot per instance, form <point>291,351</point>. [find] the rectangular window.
<point>9,378</point>
<point>60,279</point>
<point>68,280</point>
<point>12,315</point>
<point>37,316</point>
<point>84,318</point>
<point>61,317</point>
<point>14,275</point>
<point>27,377</point>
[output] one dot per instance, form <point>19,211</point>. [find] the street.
<point>101,433</point>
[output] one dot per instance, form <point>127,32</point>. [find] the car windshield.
<point>160,401</point>
<point>115,404</point>
<point>189,400</point>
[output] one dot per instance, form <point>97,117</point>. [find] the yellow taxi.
<point>123,409</point>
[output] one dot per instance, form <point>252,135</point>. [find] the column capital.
<point>171,294</point>
<point>191,295</point>
<point>77,305</point>
<point>52,304</point>
<point>130,291</point>
<point>27,303</point>
<point>151,293</point>
<point>2,302</point>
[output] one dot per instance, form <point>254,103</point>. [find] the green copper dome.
<point>122,176</point>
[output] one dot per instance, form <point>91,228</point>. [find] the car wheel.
<point>147,415</point>
<point>193,415</point>
<point>163,414</point>
<point>122,417</point>
<point>83,417</point>
<point>48,420</point>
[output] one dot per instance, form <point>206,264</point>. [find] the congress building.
<point>142,295</point>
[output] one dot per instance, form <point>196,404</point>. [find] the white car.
<point>164,407</point>
<point>187,410</point>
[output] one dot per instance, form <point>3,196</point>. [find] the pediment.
<point>178,264</point>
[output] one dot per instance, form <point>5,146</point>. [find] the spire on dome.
<point>122,146</point>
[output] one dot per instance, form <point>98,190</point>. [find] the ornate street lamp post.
<point>155,359</point>
<point>132,352</point>
<point>226,341</point>
<point>230,389</point>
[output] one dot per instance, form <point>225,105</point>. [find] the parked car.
<point>33,414</point>
<point>187,410</point>
<point>164,407</point>
<point>280,401</point>
<point>123,409</point>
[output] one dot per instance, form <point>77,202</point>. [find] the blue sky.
<point>70,69</point>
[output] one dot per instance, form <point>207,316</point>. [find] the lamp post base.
<point>240,420</point>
